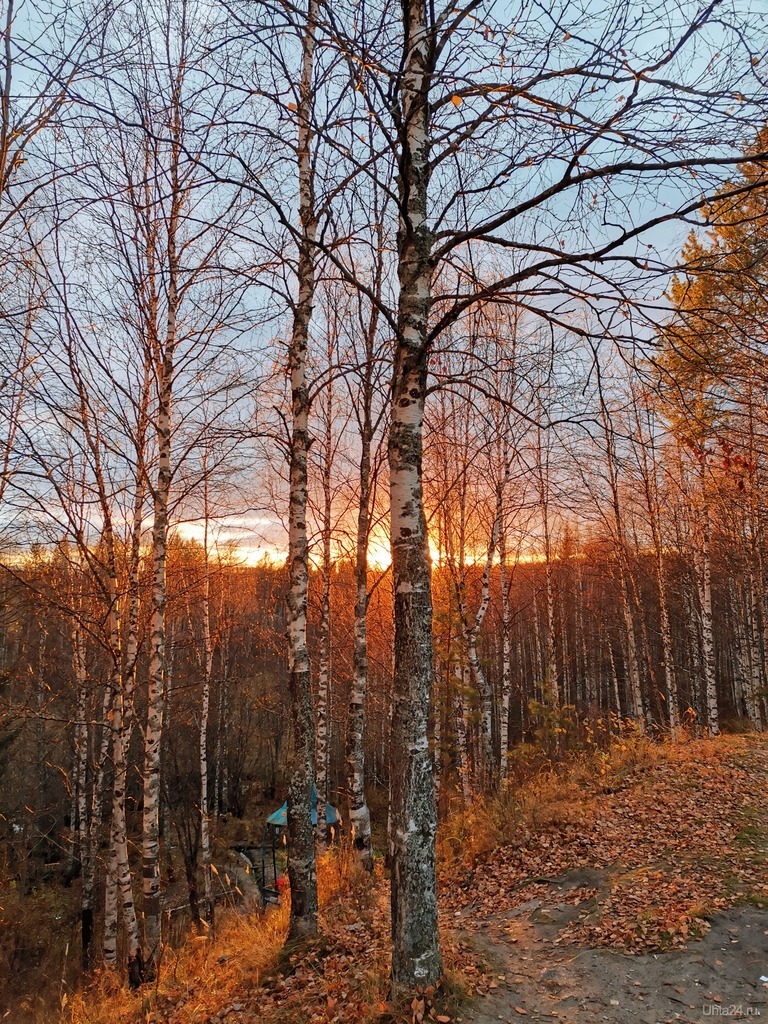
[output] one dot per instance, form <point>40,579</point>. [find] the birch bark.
<point>301,851</point>
<point>413,818</point>
<point>205,708</point>
<point>359,815</point>
<point>83,816</point>
<point>478,676</point>
<point>324,667</point>
<point>155,695</point>
<point>651,490</point>
<point>506,652</point>
<point>551,689</point>
<point>707,634</point>
<point>164,370</point>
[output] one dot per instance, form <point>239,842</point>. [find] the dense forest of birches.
<point>383,409</point>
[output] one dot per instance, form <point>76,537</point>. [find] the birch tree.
<point>301,855</point>
<point>442,117</point>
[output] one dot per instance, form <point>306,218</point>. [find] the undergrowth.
<point>541,791</point>
<point>343,976</point>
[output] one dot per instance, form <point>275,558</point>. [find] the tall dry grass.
<point>542,792</point>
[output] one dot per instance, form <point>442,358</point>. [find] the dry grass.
<point>247,964</point>
<point>343,976</point>
<point>548,794</point>
<point>212,971</point>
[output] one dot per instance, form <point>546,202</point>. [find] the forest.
<point>384,428</point>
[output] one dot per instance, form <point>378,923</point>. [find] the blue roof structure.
<point>279,818</point>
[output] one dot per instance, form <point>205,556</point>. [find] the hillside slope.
<point>631,889</point>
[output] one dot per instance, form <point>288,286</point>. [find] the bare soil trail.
<point>647,903</point>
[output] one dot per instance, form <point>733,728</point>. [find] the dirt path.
<point>718,976</point>
<point>538,938</point>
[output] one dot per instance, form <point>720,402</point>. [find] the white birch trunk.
<point>111,911</point>
<point>614,680</point>
<point>301,852</point>
<point>650,486</point>
<point>460,719</point>
<point>633,669</point>
<point>119,862</point>
<point>119,881</point>
<point>324,667</point>
<point>205,710</point>
<point>506,656</point>
<point>551,686</point>
<point>416,956</point>
<point>359,814</point>
<point>153,731</point>
<point>478,676</point>
<point>707,635</point>
<point>754,683</point>
<point>84,824</point>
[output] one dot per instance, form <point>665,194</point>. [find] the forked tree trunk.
<point>301,851</point>
<point>117,700</point>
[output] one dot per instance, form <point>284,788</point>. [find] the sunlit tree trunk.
<point>625,583</point>
<point>550,682</point>
<point>205,708</point>
<point>651,493</point>
<point>119,880</point>
<point>83,817</point>
<point>301,851</point>
<point>153,733</point>
<point>359,814</point>
<point>506,650</point>
<point>707,633</point>
<point>120,883</point>
<point>478,675</point>
<point>164,370</point>
<point>324,667</point>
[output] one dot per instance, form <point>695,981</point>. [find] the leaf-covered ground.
<point>641,904</point>
<point>632,895</point>
<point>649,861</point>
